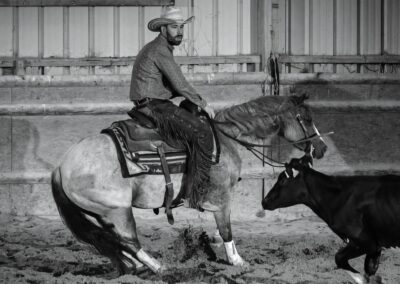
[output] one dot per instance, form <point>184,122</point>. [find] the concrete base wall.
<point>365,118</point>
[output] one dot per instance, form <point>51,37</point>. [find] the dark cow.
<point>362,210</point>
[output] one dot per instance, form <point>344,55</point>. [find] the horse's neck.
<point>229,148</point>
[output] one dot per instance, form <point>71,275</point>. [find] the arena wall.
<point>42,116</point>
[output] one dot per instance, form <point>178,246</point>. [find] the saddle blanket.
<point>136,154</point>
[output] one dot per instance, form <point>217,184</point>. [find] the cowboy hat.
<point>169,15</point>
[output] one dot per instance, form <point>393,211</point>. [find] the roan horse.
<point>88,184</point>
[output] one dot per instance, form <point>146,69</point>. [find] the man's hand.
<point>209,110</point>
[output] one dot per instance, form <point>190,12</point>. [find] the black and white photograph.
<point>200,141</point>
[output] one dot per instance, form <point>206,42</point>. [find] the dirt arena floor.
<point>42,250</point>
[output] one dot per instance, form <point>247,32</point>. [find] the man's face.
<point>174,33</point>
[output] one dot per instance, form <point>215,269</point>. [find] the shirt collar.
<point>164,41</point>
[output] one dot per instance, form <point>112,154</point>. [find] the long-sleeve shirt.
<point>156,75</point>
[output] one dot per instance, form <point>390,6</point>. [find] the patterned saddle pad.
<point>137,150</point>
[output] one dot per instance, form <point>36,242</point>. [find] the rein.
<point>261,156</point>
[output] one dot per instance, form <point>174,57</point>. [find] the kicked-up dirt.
<point>42,250</point>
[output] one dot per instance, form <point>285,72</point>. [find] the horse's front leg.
<point>223,221</point>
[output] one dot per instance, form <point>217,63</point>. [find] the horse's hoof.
<point>357,277</point>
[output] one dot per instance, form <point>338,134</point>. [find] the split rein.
<point>261,156</point>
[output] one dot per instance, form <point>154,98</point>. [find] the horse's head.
<point>290,189</point>
<point>298,125</point>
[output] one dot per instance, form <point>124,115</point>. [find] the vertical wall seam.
<point>15,32</point>
<point>191,27</point>
<point>141,27</point>
<point>215,28</point>
<point>358,31</point>
<point>382,47</point>
<point>40,70</point>
<point>334,32</point>
<point>239,48</point>
<point>91,27</point>
<point>66,70</point>
<point>215,18</point>
<point>307,27</point>
<point>240,27</point>
<point>117,36</point>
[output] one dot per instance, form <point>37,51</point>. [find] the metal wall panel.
<point>346,32</point>
<point>28,33</point>
<point>370,27</point>
<point>78,31</point>
<point>6,31</point>
<point>227,27</point>
<point>103,31</point>
<point>322,27</point>
<point>297,27</point>
<point>346,27</point>
<point>129,31</point>
<point>203,24</point>
<point>392,27</point>
<point>53,32</point>
<point>246,28</point>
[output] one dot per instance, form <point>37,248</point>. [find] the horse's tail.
<point>104,239</point>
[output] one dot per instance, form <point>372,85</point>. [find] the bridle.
<point>261,156</point>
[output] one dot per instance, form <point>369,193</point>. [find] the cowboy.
<point>156,79</point>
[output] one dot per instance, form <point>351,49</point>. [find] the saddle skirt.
<point>137,150</point>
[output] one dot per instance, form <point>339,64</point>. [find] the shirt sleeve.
<point>177,81</point>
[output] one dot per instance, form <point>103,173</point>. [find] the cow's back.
<point>382,209</point>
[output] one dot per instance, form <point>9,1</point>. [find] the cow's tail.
<point>104,239</point>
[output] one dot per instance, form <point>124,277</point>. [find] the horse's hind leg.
<point>222,218</point>
<point>122,222</point>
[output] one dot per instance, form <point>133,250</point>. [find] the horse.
<point>95,202</point>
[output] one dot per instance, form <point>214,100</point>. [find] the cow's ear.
<point>295,164</point>
<point>307,160</point>
<point>288,171</point>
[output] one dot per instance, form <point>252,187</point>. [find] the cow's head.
<point>290,188</point>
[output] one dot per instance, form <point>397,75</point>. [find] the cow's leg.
<point>343,256</point>
<point>371,263</point>
<point>222,218</point>
<point>122,222</point>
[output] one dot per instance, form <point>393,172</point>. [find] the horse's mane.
<point>256,119</point>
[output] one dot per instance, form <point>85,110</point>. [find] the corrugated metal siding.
<point>321,31</point>
<point>221,27</point>
<point>346,32</point>
<point>6,31</point>
<point>370,27</point>
<point>53,32</point>
<point>78,32</point>
<point>392,29</point>
<point>28,34</point>
<point>129,31</point>
<point>297,27</point>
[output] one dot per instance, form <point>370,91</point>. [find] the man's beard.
<point>174,40</point>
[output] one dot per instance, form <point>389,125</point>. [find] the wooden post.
<point>264,16</point>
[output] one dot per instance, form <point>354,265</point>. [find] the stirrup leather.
<point>169,187</point>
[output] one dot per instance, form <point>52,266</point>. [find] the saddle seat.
<point>137,148</point>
